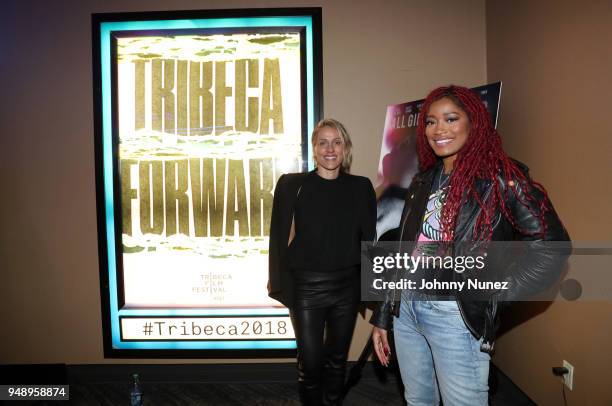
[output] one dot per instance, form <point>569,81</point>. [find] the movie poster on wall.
<point>200,119</point>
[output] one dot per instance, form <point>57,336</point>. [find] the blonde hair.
<point>347,155</point>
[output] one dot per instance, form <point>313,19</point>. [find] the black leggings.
<point>323,336</point>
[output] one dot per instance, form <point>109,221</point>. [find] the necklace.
<point>440,191</point>
<point>442,184</point>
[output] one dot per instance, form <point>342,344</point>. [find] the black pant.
<point>323,336</point>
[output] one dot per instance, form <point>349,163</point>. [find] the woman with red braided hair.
<point>467,191</point>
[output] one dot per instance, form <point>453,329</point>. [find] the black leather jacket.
<point>542,269</point>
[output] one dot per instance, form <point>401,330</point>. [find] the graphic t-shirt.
<point>430,233</point>
<point>431,230</point>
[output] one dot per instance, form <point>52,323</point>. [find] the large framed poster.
<point>197,114</point>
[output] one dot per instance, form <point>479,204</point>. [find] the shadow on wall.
<point>519,313</point>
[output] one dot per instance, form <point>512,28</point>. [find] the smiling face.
<point>328,150</point>
<point>447,127</point>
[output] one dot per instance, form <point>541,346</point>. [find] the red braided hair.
<point>481,157</point>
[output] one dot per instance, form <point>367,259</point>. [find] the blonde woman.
<point>319,219</point>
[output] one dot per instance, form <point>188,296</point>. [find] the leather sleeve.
<point>542,263</point>
<point>385,306</point>
<point>381,317</point>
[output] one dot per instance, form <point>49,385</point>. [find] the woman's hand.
<point>381,345</point>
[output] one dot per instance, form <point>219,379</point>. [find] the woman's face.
<point>447,128</point>
<point>329,149</point>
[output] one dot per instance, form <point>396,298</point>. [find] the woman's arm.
<point>275,248</point>
<point>368,220</point>
<point>546,243</point>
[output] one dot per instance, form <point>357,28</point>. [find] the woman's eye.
<point>452,119</point>
<point>429,122</point>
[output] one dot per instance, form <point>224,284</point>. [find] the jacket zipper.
<point>465,320</point>
<point>399,247</point>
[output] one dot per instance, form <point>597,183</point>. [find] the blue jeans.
<point>438,355</point>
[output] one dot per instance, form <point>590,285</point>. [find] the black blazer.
<point>280,281</point>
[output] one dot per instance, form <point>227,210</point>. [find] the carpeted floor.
<point>251,387</point>
<point>370,390</point>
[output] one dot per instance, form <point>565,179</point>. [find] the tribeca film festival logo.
<point>212,284</point>
<point>411,264</point>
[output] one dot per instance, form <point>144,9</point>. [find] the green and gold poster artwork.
<point>207,123</point>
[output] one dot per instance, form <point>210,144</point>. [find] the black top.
<point>332,217</point>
